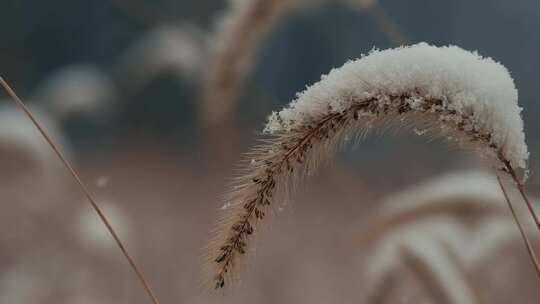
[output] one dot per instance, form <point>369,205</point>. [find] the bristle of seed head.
<point>394,85</point>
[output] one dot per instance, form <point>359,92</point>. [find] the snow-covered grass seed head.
<point>471,98</point>
<point>457,94</point>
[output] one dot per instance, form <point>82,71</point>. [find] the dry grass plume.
<point>278,164</point>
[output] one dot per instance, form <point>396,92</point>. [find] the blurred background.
<point>125,87</point>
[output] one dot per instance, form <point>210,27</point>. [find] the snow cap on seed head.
<point>466,83</point>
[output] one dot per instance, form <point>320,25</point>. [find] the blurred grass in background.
<point>164,179</point>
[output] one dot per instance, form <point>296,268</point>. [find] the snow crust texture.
<point>476,93</point>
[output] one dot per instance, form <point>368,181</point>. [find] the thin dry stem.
<point>530,250</point>
<point>83,188</point>
<point>521,190</point>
